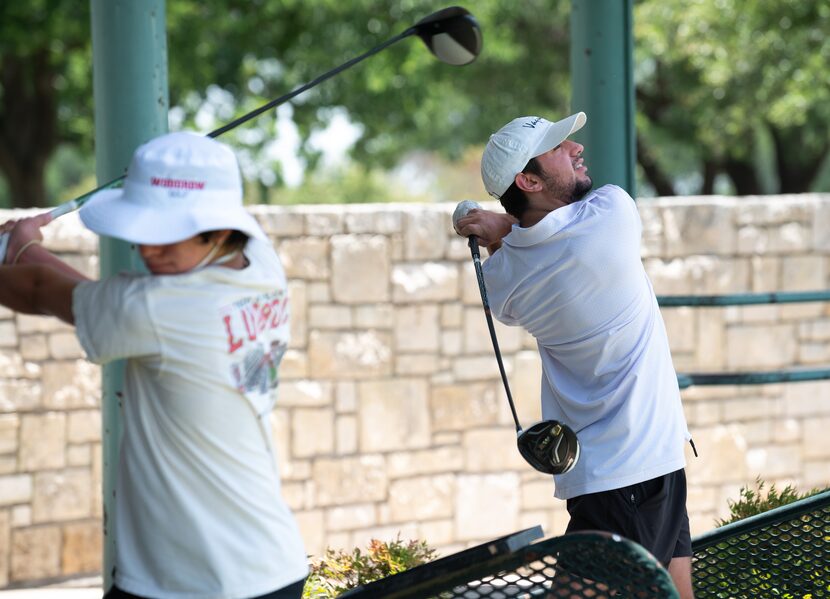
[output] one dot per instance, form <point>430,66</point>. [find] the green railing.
<point>689,379</point>
<point>782,553</point>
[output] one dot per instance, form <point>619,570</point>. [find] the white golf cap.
<point>177,185</point>
<point>511,148</point>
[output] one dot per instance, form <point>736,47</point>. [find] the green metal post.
<point>603,88</point>
<point>131,101</point>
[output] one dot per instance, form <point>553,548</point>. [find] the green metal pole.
<point>129,50</point>
<point>603,88</point>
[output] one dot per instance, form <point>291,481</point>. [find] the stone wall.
<point>391,417</point>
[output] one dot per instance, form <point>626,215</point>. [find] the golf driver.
<point>451,34</point>
<point>549,446</point>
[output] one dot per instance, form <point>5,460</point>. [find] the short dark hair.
<point>514,199</point>
<point>237,240</point>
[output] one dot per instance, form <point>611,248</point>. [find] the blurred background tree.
<point>732,95</point>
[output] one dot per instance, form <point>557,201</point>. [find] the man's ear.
<point>528,182</point>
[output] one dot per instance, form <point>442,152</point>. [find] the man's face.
<point>564,173</point>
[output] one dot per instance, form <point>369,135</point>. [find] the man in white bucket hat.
<point>198,506</point>
<point>565,265</point>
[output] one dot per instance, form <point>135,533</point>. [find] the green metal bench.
<point>784,552</point>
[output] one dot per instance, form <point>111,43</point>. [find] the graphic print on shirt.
<point>254,342</point>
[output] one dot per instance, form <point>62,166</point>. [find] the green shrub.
<point>339,571</point>
<point>753,501</point>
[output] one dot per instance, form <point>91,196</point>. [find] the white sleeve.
<point>112,319</point>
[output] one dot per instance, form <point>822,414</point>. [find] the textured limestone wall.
<point>391,417</point>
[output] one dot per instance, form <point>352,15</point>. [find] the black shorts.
<point>652,513</point>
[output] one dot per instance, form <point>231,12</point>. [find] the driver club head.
<point>549,446</point>
<point>452,35</point>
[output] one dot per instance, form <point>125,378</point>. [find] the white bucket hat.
<point>511,148</point>
<point>177,185</point>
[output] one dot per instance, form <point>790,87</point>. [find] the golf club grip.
<point>483,290</point>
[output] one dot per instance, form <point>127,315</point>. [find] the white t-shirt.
<point>198,505</point>
<point>576,282</point>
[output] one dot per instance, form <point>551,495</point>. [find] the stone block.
<point>35,553</point>
<point>479,368</point>
<point>62,495</point>
<point>463,406</point>
<point>424,237</point>
<point>778,461</point>
<point>393,415</point>
<point>298,306</point>
<point>803,273</point>
<point>711,339</point>
<point>9,427</point>
<point>34,347</point>
<point>417,328</point>
<point>436,459</point>
<point>451,343</point>
<point>723,451</point>
<point>424,282</point>
<point>42,441</point>
<point>319,292</point>
<point>65,346</point>
<point>329,317</point>
<point>79,455</point>
<point>306,258</point>
<point>312,432</point>
<point>477,334</point>
<point>294,365</point>
<point>371,218</point>
<point>422,498</point>
<point>808,399</point>
<point>486,506</point>
<point>306,393</point>
<point>15,488</point>
<point>348,480</point>
<point>345,397</point>
<point>790,238</point>
<point>84,426</point>
<point>526,386</point>
<point>491,450</point>
<point>680,328</point>
<point>350,517</point>
<point>815,440</point>
<point>19,395</point>
<point>349,355</point>
<point>8,334</point>
<point>764,272</point>
<point>323,220</point>
<point>313,531</point>
<point>71,384</point>
<point>82,548</point>
<point>346,434</point>
<point>408,365</point>
<point>759,347</point>
<point>278,221</point>
<point>14,366</point>
<point>705,227</point>
<point>374,316</point>
<point>369,282</point>
<point>436,532</point>
<point>29,323</point>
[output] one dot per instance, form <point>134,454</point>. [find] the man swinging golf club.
<point>198,508</point>
<point>565,265</point>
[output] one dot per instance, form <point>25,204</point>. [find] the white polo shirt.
<point>576,282</point>
<point>198,507</point>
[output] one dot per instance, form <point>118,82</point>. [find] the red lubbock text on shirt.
<point>247,319</point>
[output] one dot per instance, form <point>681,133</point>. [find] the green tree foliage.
<point>723,86</point>
<point>719,79</point>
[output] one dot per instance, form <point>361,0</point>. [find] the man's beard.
<point>582,187</point>
<point>573,191</point>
